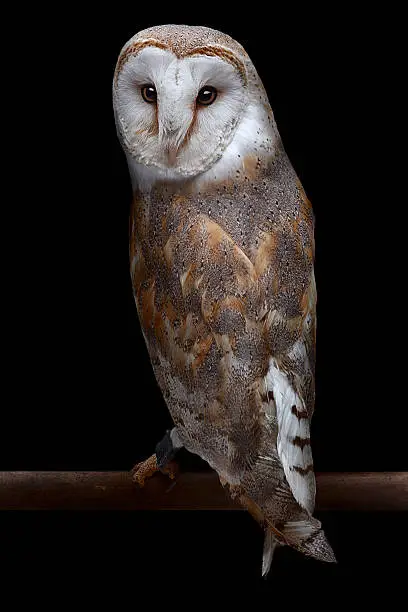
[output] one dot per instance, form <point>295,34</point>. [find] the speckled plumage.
<point>183,40</point>
<point>222,270</point>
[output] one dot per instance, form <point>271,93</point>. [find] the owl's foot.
<point>161,461</point>
<point>144,469</point>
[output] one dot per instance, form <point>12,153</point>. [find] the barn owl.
<point>221,255</point>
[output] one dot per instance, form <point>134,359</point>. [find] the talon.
<point>160,461</point>
<point>143,470</point>
<point>170,469</point>
<point>135,468</point>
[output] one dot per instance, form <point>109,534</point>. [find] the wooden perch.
<point>354,491</point>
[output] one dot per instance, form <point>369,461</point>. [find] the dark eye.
<point>206,95</point>
<point>149,93</point>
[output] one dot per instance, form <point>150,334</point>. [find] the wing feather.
<point>291,380</point>
<point>293,440</point>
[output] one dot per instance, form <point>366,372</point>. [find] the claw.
<point>170,469</point>
<point>160,461</point>
<point>144,470</point>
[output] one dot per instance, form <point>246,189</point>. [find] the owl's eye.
<point>206,95</point>
<point>149,93</point>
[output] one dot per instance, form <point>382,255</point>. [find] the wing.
<point>222,322</point>
<point>291,325</point>
<point>290,378</point>
<point>229,321</point>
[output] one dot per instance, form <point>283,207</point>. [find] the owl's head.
<point>180,93</point>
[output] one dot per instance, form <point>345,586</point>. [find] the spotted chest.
<point>221,280</point>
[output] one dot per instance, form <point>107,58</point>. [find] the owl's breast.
<point>218,263</point>
<point>222,281</point>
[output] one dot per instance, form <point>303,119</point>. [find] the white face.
<point>178,115</point>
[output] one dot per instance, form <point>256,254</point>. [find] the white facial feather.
<point>135,118</point>
<point>178,138</point>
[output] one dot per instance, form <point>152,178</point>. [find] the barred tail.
<point>308,537</point>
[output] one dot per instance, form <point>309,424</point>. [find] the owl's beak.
<point>173,129</point>
<point>172,149</point>
<point>171,141</point>
<point>172,155</point>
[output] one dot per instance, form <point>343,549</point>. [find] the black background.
<point>78,391</point>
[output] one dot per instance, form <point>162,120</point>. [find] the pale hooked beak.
<point>172,155</point>
<point>171,141</point>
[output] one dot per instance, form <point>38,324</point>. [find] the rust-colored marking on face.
<point>152,130</point>
<point>133,50</point>
<point>191,127</point>
<point>224,54</point>
<point>208,50</point>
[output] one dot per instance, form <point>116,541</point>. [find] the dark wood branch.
<point>359,491</point>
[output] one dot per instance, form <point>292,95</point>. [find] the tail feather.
<point>318,547</point>
<point>308,537</point>
<point>303,532</point>
<point>270,544</point>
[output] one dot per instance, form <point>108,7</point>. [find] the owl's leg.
<point>167,448</point>
<point>161,461</point>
